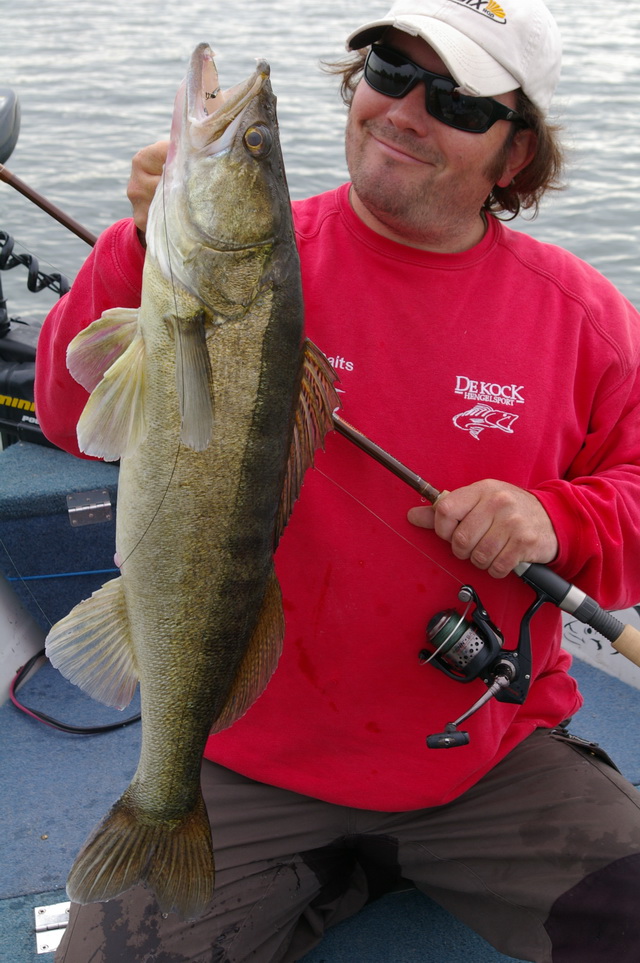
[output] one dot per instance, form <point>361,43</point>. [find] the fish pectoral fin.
<point>91,646</point>
<point>313,419</point>
<point>260,659</point>
<point>174,857</point>
<point>94,349</point>
<point>193,382</point>
<point>114,420</point>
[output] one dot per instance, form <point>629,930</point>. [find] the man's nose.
<point>410,111</point>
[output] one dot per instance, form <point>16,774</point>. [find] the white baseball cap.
<point>490,47</point>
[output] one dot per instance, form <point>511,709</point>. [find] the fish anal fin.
<point>260,659</point>
<point>114,423</point>
<point>193,383</point>
<point>317,401</point>
<point>94,349</point>
<point>91,646</point>
<point>173,857</point>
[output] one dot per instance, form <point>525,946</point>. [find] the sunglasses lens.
<point>473,114</point>
<point>390,73</point>
<point>390,76</point>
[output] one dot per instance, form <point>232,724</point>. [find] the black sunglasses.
<point>391,73</point>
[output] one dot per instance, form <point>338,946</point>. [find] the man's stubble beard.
<point>420,211</point>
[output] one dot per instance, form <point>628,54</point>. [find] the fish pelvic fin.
<point>93,350</point>
<point>317,401</point>
<point>173,857</point>
<point>114,422</point>
<point>193,383</point>
<point>260,659</point>
<point>91,647</point>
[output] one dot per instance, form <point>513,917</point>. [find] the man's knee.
<point>597,920</point>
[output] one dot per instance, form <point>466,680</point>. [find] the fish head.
<point>223,197</point>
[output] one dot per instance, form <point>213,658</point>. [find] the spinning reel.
<point>468,647</point>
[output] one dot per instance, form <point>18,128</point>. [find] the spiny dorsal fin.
<point>259,661</point>
<point>313,419</point>
<point>193,379</point>
<point>91,647</point>
<point>93,350</point>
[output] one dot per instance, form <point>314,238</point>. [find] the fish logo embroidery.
<point>476,419</point>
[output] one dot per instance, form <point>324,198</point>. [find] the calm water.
<point>96,82</point>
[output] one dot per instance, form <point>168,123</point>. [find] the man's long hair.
<point>526,190</point>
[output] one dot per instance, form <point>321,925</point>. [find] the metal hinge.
<point>88,508</point>
<point>51,922</point>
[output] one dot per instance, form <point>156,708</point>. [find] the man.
<point>506,370</point>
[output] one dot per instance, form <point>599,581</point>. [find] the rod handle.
<point>628,644</point>
<point>571,599</point>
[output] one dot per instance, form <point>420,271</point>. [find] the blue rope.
<point>31,578</point>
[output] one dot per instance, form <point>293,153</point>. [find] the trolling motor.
<point>469,646</point>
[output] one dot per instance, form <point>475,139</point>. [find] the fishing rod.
<point>505,677</point>
<point>9,130</point>
<point>29,192</point>
<point>466,648</point>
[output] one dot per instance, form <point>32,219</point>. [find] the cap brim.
<point>471,66</point>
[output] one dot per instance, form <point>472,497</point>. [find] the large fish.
<point>215,403</point>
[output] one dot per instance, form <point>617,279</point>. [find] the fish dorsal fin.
<point>193,383</point>
<point>114,421</point>
<point>93,350</point>
<point>259,661</point>
<point>91,646</point>
<point>313,419</point>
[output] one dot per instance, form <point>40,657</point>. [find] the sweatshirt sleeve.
<point>595,507</point>
<point>111,277</point>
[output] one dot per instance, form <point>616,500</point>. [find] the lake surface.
<point>97,81</point>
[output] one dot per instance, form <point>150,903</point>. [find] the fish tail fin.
<point>173,857</point>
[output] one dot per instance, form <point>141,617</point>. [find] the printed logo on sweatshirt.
<point>489,391</point>
<point>340,364</point>
<point>489,8</point>
<point>483,414</point>
<point>476,419</point>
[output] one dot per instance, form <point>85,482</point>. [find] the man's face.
<point>420,180</point>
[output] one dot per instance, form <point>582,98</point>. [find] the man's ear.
<point>521,152</point>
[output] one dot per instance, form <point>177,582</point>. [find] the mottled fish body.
<point>214,403</point>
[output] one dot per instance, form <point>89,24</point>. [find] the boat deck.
<point>54,786</point>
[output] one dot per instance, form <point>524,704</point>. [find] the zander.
<point>214,403</point>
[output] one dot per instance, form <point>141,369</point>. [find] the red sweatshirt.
<point>513,360</point>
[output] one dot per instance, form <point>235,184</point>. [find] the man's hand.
<point>146,170</point>
<point>493,524</point>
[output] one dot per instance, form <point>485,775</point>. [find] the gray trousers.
<point>541,857</point>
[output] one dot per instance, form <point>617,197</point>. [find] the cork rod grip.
<point>628,644</point>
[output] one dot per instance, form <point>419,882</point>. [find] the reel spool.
<point>466,649</point>
<point>459,647</point>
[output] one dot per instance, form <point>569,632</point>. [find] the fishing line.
<point>19,578</point>
<point>177,456</point>
<point>24,670</point>
<point>389,526</point>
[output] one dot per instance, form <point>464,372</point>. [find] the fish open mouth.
<point>211,110</point>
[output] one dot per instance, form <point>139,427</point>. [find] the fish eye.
<point>258,140</point>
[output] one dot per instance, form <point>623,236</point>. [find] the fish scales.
<point>214,403</point>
